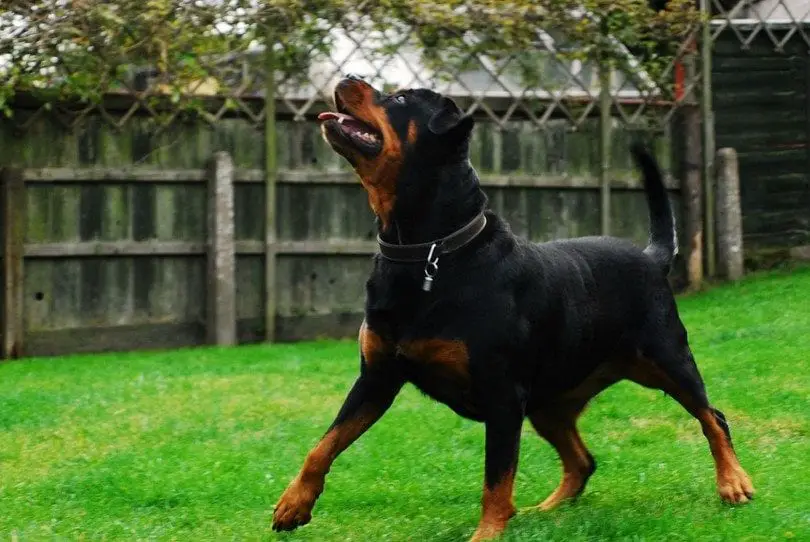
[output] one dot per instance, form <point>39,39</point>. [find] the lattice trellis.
<point>779,20</point>
<point>495,88</point>
<point>561,88</point>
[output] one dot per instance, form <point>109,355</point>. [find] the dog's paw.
<point>570,487</point>
<point>294,508</point>
<point>735,486</point>
<point>488,531</point>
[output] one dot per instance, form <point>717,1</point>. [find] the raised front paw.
<point>294,508</point>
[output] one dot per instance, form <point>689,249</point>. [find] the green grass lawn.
<point>199,444</point>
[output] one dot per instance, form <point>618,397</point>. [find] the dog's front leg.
<point>503,425</point>
<point>369,398</point>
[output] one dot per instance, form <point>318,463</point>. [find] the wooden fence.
<point>762,109</point>
<point>119,239</point>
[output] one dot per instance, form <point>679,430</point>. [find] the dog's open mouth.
<point>350,130</point>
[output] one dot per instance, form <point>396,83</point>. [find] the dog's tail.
<point>663,236</point>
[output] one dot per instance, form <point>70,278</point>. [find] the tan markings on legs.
<point>558,427</point>
<point>294,508</point>
<point>733,482</point>
<point>372,346</point>
<point>498,508</point>
<point>556,423</point>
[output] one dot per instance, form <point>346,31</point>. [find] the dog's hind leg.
<point>668,365</point>
<point>557,424</point>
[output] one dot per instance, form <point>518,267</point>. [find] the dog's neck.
<point>433,202</point>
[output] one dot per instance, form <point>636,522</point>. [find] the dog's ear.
<point>449,120</point>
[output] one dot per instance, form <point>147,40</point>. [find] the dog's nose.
<point>353,77</point>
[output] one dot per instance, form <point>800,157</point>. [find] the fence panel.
<point>116,231</point>
<point>761,80</point>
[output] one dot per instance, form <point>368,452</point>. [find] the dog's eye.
<point>399,99</point>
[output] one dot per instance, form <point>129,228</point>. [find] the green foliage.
<point>84,49</point>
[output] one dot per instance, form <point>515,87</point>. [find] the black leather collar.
<point>430,251</point>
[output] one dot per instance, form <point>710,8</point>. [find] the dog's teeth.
<point>340,120</point>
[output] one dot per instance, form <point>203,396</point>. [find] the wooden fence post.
<point>221,314</point>
<point>271,176</point>
<point>605,128</point>
<point>13,202</point>
<point>707,121</point>
<point>729,215</point>
<point>693,196</point>
<point>692,181</point>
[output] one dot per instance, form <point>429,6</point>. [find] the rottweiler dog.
<point>495,327</point>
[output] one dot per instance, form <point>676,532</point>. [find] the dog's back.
<point>595,298</point>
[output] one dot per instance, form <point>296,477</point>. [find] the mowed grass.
<point>199,444</point>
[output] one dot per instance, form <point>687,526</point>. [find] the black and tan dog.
<point>497,328</point>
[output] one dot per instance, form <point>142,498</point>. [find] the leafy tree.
<point>79,50</point>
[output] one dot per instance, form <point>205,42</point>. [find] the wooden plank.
<point>143,212</point>
<point>250,288</point>
<point>92,290</point>
<point>249,212</point>
<point>221,295</point>
<point>325,247</point>
<point>117,303</point>
<point>13,202</point>
<point>619,179</point>
<point>38,293</point>
<point>801,253</point>
<point>113,248</point>
<point>167,336</point>
<point>39,208</point>
<point>772,64</point>
<point>730,102</point>
<point>65,303</point>
<point>115,219</point>
<point>112,175</point>
<point>190,248</point>
<point>768,81</point>
<point>162,336</point>
<point>337,325</point>
<point>167,211</point>
<point>65,218</point>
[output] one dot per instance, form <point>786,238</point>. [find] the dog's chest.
<point>440,369</point>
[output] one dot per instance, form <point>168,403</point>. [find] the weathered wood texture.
<point>12,209</point>
<point>116,234</point>
<point>692,195</point>
<point>729,216</point>
<point>221,294</point>
<point>762,111</point>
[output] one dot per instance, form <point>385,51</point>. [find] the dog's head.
<point>382,135</point>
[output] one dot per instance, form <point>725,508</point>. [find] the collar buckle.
<point>431,268</point>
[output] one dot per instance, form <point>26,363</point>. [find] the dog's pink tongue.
<point>332,115</point>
